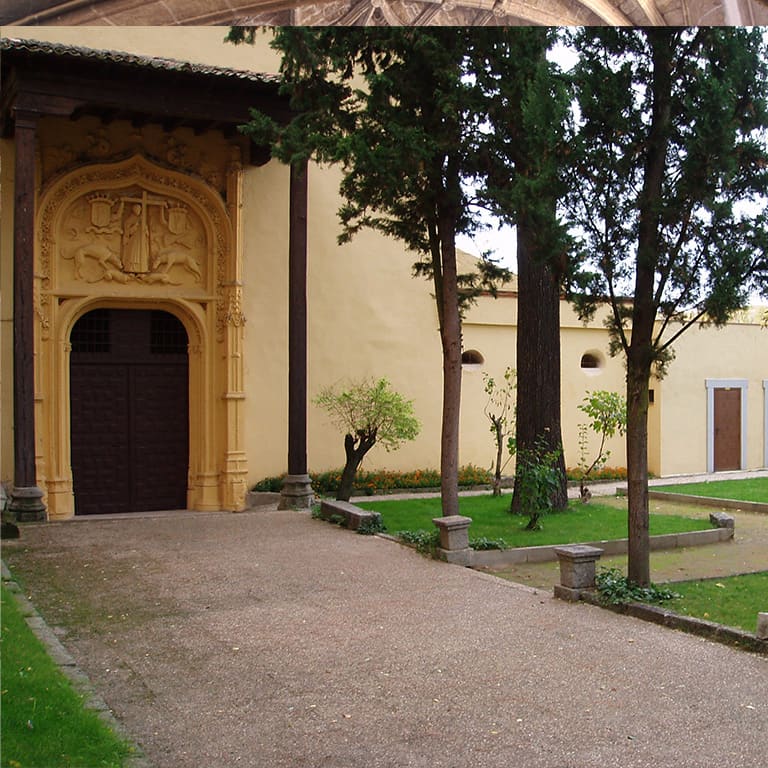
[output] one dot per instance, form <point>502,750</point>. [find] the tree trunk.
<point>538,359</point>
<point>498,428</point>
<point>355,452</point>
<point>640,351</point>
<point>450,336</point>
<point>638,566</point>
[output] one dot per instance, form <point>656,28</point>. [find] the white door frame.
<point>712,385</point>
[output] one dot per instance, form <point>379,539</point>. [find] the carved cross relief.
<point>131,235</point>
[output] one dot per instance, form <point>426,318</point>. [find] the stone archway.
<point>135,235</point>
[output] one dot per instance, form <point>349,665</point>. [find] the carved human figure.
<point>135,240</point>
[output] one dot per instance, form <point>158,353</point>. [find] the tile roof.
<point>131,59</point>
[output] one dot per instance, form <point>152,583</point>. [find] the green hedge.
<point>382,480</point>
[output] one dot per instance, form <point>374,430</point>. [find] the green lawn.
<point>44,724</point>
<point>753,489</point>
<point>490,519</point>
<point>731,600</point>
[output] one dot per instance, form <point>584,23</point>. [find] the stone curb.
<point>666,618</point>
<point>546,553</point>
<point>66,663</point>
<point>708,501</point>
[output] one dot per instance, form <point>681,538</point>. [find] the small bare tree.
<point>499,410</point>
<point>368,412</point>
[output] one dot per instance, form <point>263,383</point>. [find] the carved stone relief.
<point>67,145</point>
<point>130,235</point>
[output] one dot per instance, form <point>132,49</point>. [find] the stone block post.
<point>454,539</point>
<point>762,626</point>
<point>577,570</point>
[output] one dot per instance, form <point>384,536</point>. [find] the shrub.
<point>484,543</point>
<point>326,483</point>
<point>605,473</point>
<point>614,588</point>
<point>269,484</point>
<point>424,541</point>
<point>538,479</point>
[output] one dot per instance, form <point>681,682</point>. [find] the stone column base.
<point>26,504</point>
<point>577,570</point>
<point>296,492</point>
<point>455,556</point>
<point>454,539</point>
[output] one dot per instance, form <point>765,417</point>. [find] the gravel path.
<point>271,639</point>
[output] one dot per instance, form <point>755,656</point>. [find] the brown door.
<point>129,412</point>
<point>727,429</point>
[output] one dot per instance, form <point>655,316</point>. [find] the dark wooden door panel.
<point>159,435</point>
<point>129,412</point>
<point>100,448</point>
<point>727,429</point>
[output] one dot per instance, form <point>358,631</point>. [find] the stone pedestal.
<point>454,539</point>
<point>762,626</point>
<point>296,492</point>
<point>26,504</point>
<point>577,570</point>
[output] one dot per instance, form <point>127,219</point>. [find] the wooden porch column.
<point>26,498</point>
<point>296,492</point>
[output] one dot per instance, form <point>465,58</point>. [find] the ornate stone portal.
<point>135,235</point>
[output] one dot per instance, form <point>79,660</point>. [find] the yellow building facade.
<point>179,223</point>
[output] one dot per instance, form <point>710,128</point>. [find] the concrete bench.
<point>353,516</point>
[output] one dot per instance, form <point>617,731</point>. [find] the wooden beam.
<point>296,491</point>
<point>297,323</point>
<point>26,497</point>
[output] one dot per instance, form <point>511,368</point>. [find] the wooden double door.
<point>129,385</point>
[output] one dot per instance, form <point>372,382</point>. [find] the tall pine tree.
<point>526,103</point>
<point>391,107</point>
<point>668,195</point>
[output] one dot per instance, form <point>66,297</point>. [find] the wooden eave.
<point>73,85</point>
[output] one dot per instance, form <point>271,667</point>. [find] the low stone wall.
<point>701,627</point>
<point>704,501</point>
<point>256,499</point>
<point>493,558</point>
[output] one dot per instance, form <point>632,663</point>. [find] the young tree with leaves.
<point>390,106</point>
<point>368,412</point>
<point>668,196</point>
<point>607,413</point>
<point>500,411</point>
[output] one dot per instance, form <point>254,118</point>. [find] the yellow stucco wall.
<point>739,353</point>
<point>201,45</point>
<point>489,328</point>
<point>369,317</point>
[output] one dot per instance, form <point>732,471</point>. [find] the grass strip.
<point>492,520</point>
<point>43,719</point>
<point>752,489</point>
<point>733,601</point>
